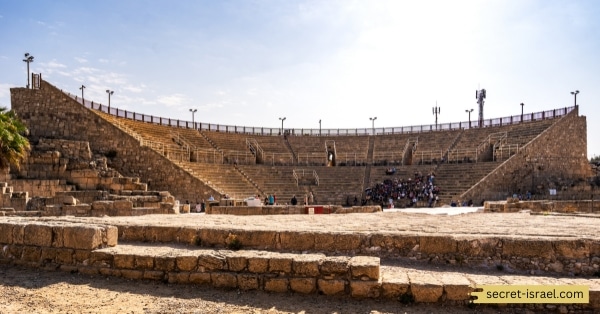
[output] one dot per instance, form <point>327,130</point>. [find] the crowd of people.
<point>405,191</point>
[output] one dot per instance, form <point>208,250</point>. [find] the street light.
<point>575,94</point>
<point>282,119</point>
<point>193,111</point>
<point>522,105</point>
<point>82,99</point>
<point>373,124</point>
<point>109,92</point>
<point>469,112</point>
<point>28,59</point>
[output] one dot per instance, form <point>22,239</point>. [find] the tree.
<point>14,146</point>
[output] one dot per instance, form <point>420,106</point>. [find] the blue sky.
<point>252,62</point>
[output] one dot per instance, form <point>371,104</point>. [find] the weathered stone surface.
<point>303,285</point>
<point>258,264</point>
<point>424,287</point>
<point>364,266</point>
<point>437,244</point>
<point>144,262</point>
<point>477,247</point>
<point>307,264</point>
<point>332,287</point>
<point>257,239</point>
<point>210,262</point>
<point>280,263</point>
<point>6,233</point>
<point>200,278</point>
<point>236,262</point>
<point>276,284</point>
<point>527,248</point>
<point>123,261</point>
<point>365,289</point>
<point>394,285</point>
<point>153,275</point>
<point>132,274</point>
<point>335,265</point>
<point>456,286</point>
<point>31,254</point>
<point>83,237</point>
<point>38,235</point>
<point>297,241</point>
<point>178,277</point>
<point>572,248</point>
<point>346,241</point>
<point>223,280</point>
<point>248,281</point>
<point>186,262</point>
<point>164,263</point>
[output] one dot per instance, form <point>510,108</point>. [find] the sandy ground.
<point>25,290</point>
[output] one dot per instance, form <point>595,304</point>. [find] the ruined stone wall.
<point>68,148</point>
<point>49,113</point>
<point>558,154</point>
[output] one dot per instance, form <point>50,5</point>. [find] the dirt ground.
<point>26,290</point>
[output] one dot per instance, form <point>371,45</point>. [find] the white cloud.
<point>81,60</point>
<point>174,100</point>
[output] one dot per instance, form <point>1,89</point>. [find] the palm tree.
<point>14,146</point>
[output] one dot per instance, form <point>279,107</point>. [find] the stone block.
<point>132,233</point>
<point>346,241</point>
<point>88,270</point>
<point>276,284</point>
<point>64,256</point>
<point>323,241</point>
<point>111,236</point>
<point>211,262</point>
<point>186,263</point>
<point>236,262</point>
<point>280,263</point>
<point>332,287</point>
<point>223,280</point>
<point>164,263</point>
<point>477,247</point>
<point>456,286</point>
<point>200,278</point>
<point>213,236</point>
<point>425,288</point>
<point>18,233</point>
<point>178,277</point>
<point>303,285</point>
<point>123,205</point>
<point>31,254</point>
<point>335,265</point>
<point>572,248</point>
<point>437,244</point>
<point>82,257</point>
<point>257,239</point>
<point>153,275</point>
<point>297,241</point>
<point>144,262</point>
<point>258,264</point>
<point>307,265</point>
<point>365,289</point>
<point>527,248</point>
<point>124,261</point>
<point>6,233</point>
<point>364,267</point>
<point>101,259</point>
<point>161,234</point>
<point>248,281</point>
<point>105,206</point>
<point>395,285</point>
<point>38,235</point>
<point>83,237</point>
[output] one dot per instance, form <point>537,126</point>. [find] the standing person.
<point>271,199</point>
<point>202,206</point>
<point>311,198</point>
<point>305,199</point>
<point>198,207</point>
<point>294,201</point>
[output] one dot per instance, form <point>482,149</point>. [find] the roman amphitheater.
<point>110,193</point>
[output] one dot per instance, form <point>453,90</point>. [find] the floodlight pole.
<point>82,99</point>
<point>575,94</point>
<point>193,111</point>
<point>28,59</point>
<point>469,112</point>
<point>373,124</point>
<point>436,110</point>
<point>282,119</point>
<point>319,127</point>
<point>109,92</point>
<point>522,105</point>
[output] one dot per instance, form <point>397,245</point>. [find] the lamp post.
<point>282,119</point>
<point>436,110</point>
<point>28,59</point>
<point>193,111</point>
<point>109,92</point>
<point>319,127</point>
<point>522,105</point>
<point>373,124</point>
<point>469,112</point>
<point>575,94</point>
<point>82,99</point>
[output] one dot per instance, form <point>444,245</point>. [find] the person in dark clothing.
<point>294,201</point>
